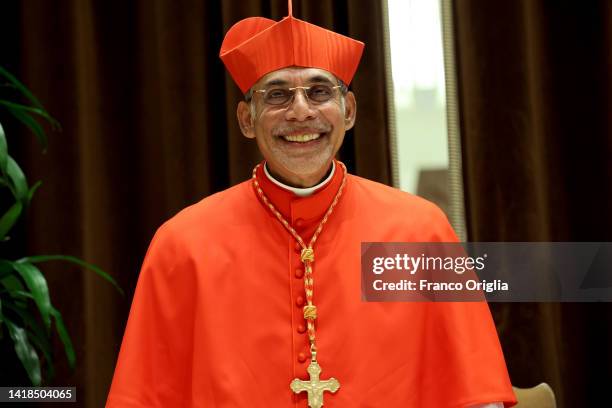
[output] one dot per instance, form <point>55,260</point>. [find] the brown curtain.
<point>149,127</point>
<point>535,110</point>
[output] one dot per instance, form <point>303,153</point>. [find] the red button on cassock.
<point>301,357</point>
<point>299,272</point>
<point>299,301</point>
<point>299,222</point>
<point>301,328</point>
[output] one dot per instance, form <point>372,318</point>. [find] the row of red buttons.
<point>299,301</point>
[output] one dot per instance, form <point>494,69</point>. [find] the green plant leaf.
<point>25,352</point>
<point>3,151</point>
<point>37,284</point>
<point>31,110</point>
<point>43,345</point>
<point>21,87</point>
<point>18,180</point>
<point>33,190</point>
<point>32,124</point>
<point>19,294</point>
<point>11,283</point>
<point>67,258</point>
<point>35,332</point>
<point>9,219</point>
<point>14,285</point>
<point>6,268</point>
<point>64,337</point>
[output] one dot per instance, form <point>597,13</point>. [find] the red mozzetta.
<point>217,316</point>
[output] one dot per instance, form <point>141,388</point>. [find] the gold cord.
<point>307,254</point>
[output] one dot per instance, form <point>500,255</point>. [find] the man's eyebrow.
<point>319,78</point>
<point>311,80</point>
<point>275,82</point>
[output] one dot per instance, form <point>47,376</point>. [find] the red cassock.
<point>217,319</point>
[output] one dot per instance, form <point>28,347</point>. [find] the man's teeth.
<point>302,138</point>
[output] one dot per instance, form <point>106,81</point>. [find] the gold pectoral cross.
<point>315,387</point>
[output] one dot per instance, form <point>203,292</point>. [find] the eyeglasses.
<point>316,94</point>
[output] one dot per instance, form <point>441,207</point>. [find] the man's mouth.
<point>302,138</point>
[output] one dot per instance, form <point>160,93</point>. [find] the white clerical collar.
<point>301,192</point>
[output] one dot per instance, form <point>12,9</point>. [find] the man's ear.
<point>245,120</point>
<point>350,110</point>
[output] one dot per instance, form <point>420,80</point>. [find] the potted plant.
<point>27,314</point>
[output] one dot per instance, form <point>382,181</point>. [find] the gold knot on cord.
<point>310,312</point>
<point>307,255</point>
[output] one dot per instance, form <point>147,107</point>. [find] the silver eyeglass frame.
<point>293,92</point>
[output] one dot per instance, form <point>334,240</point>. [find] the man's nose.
<point>299,108</point>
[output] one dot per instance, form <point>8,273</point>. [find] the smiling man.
<point>298,117</point>
<point>252,297</point>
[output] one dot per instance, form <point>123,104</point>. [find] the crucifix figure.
<point>315,387</point>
